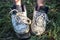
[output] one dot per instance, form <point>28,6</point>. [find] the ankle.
<point>40,5</point>
<point>18,2</point>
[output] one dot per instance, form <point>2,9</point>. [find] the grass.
<point>52,30</point>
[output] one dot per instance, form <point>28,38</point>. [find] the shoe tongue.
<point>13,7</point>
<point>20,8</point>
<point>42,9</point>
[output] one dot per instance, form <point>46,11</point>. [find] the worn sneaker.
<point>40,19</point>
<point>20,22</point>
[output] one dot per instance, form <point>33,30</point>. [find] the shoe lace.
<point>41,18</point>
<point>20,16</point>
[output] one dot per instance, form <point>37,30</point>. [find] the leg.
<point>41,5</point>
<point>40,2</point>
<point>17,2</point>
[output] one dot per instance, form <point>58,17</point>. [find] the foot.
<point>39,20</point>
<point>20,22</point>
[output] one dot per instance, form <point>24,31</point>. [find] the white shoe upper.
<point>20,22</point>
<point>39,22</point>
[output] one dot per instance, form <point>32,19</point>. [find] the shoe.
<point>20,22</point>
<point>39,21</point>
